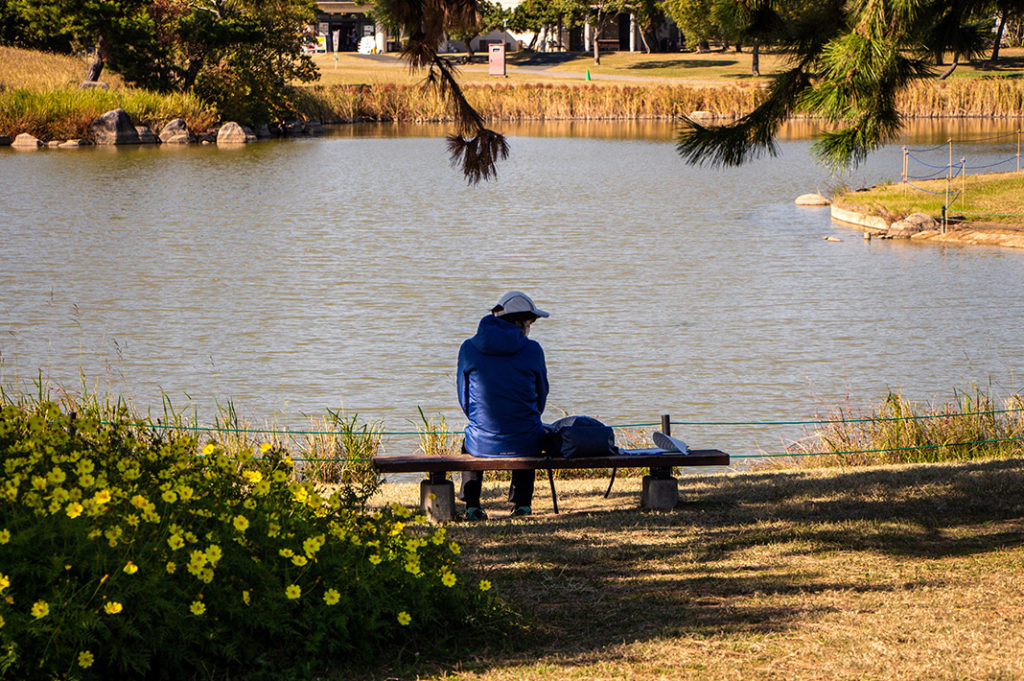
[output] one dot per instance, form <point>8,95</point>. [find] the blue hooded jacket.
<point>503,387</point>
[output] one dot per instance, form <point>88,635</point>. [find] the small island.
<point>985,209</point>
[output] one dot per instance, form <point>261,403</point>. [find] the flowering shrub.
<point>130,552</point>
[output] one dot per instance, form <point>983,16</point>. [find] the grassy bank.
<point>40,95</point>
<point>908,572</point>
<point>972,425</point>
<point>994,198</point>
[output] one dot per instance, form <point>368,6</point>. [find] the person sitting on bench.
<point>503,387</point>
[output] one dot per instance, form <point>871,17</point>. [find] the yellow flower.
<point>185,492</point>
<point>265,447</point>
<point>286,553</point>
<point>175,542</point>
<point>74,509</point>
<point>112,608</point>
<point>85,659</point>
<point>214,553</point>
<point>252,476</point>
<point>331,596</point>
<point>207,450</point>
<point>5,581</point>
<point>102,497</point>
<point>301,494</point>
<point>5,536</point>
<point>40,609</point>
<point>245,597</point>
<point>448,578</point>
<point>312,545</point>
<point>197,607</point>
<point>86,480</point>
<point>171,567</point>
<point>1,622</point>
<point>485,585</point>
<point>241,523</point>
<point>375,559</point>
<point>299,560</point>
<point>131,568</point>
<point>56,476</point>
<point>404,618</point>
<point>169,496</point>
<point>455,548</point>
<point>293,591</point>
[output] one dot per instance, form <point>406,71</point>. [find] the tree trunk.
<point>191,73</point>
<point>999,37</point>
<point>597,52</point>
<point>703,46</point>
<point>96,68</point>
<point>952,67</point>
<point>469,49</point>
<point>561,47</point>
<point>643,39</point>
<point>755,58</point>
<point>533,40</point>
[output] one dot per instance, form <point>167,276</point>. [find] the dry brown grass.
<point>43,71</point>
<point>909,572</point>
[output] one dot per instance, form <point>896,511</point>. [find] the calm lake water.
<point>292,276</point>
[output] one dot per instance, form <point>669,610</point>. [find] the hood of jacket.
<point>495,336</point>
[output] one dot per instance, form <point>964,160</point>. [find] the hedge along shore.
<point>67,113</point>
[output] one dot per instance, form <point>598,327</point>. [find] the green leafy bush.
<point>128,552</point>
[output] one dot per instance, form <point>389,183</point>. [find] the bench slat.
<point>464,462</point>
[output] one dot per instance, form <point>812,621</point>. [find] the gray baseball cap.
<point>517,301</point>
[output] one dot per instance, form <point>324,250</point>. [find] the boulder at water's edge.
<point>175,132</point>
<point>233,133</point>
<point>146,135</point>
<point>26,141</point>
<point>812,200</point>
<point>114,127</point>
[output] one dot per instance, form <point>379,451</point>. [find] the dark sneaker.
<point>521,510</point>
<point>475,513</point>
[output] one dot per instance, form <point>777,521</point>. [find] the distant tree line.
<point>239,55</point>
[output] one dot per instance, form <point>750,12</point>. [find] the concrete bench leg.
<point>659,494</point>
<point>437,499</point>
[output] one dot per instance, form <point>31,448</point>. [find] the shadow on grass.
<point>1002,65</point>
<point>742,556</point>
<point>683,63</point>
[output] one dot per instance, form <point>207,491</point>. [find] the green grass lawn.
<point>996,198</point>
<point>720,67</point>
<point>875,573</point>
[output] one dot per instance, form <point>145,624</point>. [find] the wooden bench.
<point>660,489</point>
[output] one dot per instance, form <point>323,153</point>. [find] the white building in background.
<point>346,26</point>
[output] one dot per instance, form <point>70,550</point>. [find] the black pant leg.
<point>520,492</point>
<point>472,481</point>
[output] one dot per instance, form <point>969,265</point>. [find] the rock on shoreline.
<point>116,128</point>
<point>921,227</point>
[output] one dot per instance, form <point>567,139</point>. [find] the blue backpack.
<point>580,436</point>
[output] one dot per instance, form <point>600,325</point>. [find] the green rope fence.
<point>811,422</point>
